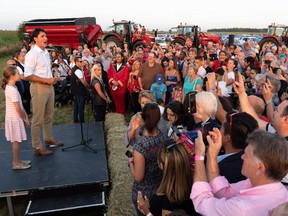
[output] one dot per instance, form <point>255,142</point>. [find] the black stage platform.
<point>70,168</point>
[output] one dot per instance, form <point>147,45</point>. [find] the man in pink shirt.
<point>265,163</point>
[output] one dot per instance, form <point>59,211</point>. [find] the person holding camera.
<point>143,165</point>
<point>262,191</point>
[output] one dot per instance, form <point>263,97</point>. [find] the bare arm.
<point>244,102</point>
<point>140,83</point>
<point>210,86</point>
<point>101,94</point>
<point>228,81</point>
<point>21,112</point>
<point>138,167</point>
<point>267,94</point>
<point>215,144</point>
<point>200,171</point>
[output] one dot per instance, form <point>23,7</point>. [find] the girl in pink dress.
<point>15,116</point>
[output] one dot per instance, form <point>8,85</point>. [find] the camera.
<point>129,154</point>
<point>267,62</point>
<point>213,57</point>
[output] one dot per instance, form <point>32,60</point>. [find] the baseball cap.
<point>159,78</point>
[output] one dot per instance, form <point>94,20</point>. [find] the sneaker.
<point>21,166</point>
<point>25,161</point>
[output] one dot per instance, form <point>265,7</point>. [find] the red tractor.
<point>127,32</point>
<point>191,36</point>
<point>65,32</point>
<point>273,36</point>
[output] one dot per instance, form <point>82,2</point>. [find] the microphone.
<point>59,54</point>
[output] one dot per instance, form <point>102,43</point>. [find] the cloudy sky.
<point>151,13</point>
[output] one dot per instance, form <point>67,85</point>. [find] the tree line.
<point>252,30</point>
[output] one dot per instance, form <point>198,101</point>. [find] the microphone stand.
<point>54,48</point>
<point>83,141</point>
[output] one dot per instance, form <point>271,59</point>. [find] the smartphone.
<point>205,132</point>
<point>192,101</point>
<point>236,75</point>
<point>176,130</point>
<point>129,154</point>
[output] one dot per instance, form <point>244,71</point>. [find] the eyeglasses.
<point>172,145</point>
<point>80,61</point>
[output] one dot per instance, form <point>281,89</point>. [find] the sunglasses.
<point>172,145</point>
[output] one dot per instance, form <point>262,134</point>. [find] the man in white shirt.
<point>38,72</point>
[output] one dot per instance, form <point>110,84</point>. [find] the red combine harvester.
<point>191,36</point>
<point>66,32</point>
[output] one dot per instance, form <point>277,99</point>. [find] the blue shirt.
<point>158,90</point>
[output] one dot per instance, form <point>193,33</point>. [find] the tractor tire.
<point>179,41</point>
<point>113,41</point>
<point>138,44</point>
<point>266,41</point>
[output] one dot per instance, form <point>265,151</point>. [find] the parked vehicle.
<point>127,32</point>
<point>162,43</point>
<point>191,36</point>
<point>66,32</point>
<point>273,36</point>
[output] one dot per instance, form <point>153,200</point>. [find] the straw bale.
<point>119,200</point>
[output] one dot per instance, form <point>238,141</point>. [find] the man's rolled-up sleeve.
<point>30,63</point>
<point>206,204</point>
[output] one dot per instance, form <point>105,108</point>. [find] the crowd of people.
<point>238,123</point>
<point>230,101</point>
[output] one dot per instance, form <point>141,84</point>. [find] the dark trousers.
<point>78,111</point>
<point>134,101</point>
<point>99,113</point>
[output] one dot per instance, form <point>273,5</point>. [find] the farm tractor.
<point>273,36</point>
<point>191,36</point>
<point>127,32</point>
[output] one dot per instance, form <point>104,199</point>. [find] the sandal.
<point>21,166</point>
<point>25,161</point>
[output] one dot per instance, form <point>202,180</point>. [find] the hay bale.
<point>119,201</point>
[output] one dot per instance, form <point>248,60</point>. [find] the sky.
<point>153,14</point>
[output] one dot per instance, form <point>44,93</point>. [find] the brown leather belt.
<point>41,83</point>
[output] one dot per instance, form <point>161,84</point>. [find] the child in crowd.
<point>15,116</point>
<point>177,94</point>
<point>160,102</point>
<point>159,88</point>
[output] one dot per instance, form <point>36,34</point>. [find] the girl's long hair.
<point>176,183</point>
<point>7,73</point>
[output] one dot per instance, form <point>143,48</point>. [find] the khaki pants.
<point>43,110</point>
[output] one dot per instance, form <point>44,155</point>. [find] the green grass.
<point>9,43</point>
<point>8,37</point>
